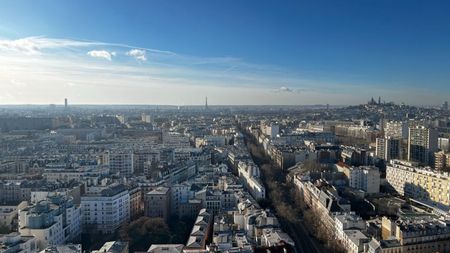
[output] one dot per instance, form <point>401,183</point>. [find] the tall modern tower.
<point>387,148</point>
<point>65,103</point>
<point>206,103</point>
<point>422,143</point>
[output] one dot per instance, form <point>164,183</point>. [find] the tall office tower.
<point>380,148</point>
<point>387,148</point>
<point>396,129</point>
<point>445,106</point>
<point>65,103</point>
<point>120,161</point>
<point>422,143</point>
<point>206,103</point>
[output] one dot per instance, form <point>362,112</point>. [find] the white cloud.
<point>35,45</point>
<point>40,45</point>
<point>138,54</point>
<point>285,89</point>
<point>101,54</point>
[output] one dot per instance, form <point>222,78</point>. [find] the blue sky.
<point>234,52</point>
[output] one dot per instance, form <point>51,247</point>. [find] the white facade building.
<point>354,241</point>
<point>52,222</point>
<point>365,178</point>
<point>105,209</point>
<point>249,174</point>
<point>346,221</point>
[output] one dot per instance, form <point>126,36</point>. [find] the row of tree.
<point>284,198</point>
<point>145,231</point>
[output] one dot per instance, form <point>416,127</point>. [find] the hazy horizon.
<point>209,105</point>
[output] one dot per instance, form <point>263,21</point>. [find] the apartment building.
<point>286,156</point>
<point>365,178</point>
<point>422,143</point>
<point>8,213</point>
<point>143,156</point>
<point>176,140</point>
<point>249,173</point>
<point>420,183</point>
<point>105,208</point>
<point>120,161</point>
<point>396,129</point>
<point>113,247</point>
<point>191,154</point>
<point>270,129</point>
<point>201,233</point>
<point>387,148</point>
<point>15,242</point>
<point>14,192</point>
<point>179,195</point>
<point>414,234</point>
<point>53,221</point>
<point>157,203</point>
<point>441,160</point>
<point>136,206</point>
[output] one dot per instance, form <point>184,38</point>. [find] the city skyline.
<point>213,126</point>
<point>236,54</point>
